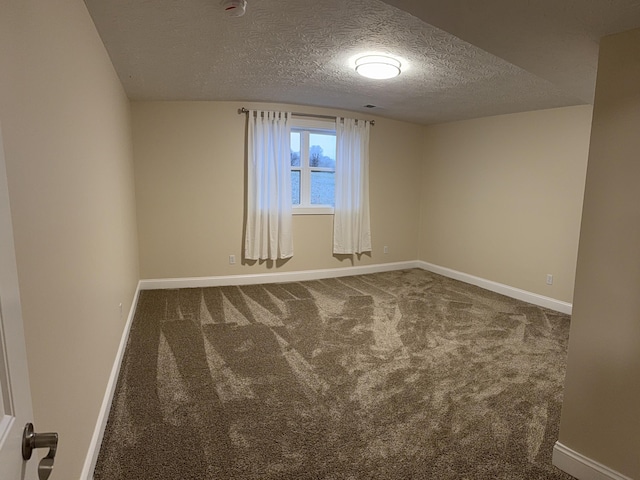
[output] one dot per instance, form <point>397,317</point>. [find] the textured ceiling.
<point>554,39</point>
<point>300,52</point>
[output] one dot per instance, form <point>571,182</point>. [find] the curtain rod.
<point>312,115</point>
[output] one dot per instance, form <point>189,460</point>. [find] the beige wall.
<point>66,129</point>
<point>501,197</point>
<point>190,174</point>
<point>498,197</point>
<point>600,414</point>
<point>503,203</point>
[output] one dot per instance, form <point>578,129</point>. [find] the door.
<point>15,396</point>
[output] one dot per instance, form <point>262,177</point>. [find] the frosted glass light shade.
<point>379,67</point>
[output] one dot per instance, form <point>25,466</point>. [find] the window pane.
<point>295,187</point>
<point>295,149</point>
<point>322,150</point>
<point>323,185</point>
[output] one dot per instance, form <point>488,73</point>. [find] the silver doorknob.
<point>31,441</point>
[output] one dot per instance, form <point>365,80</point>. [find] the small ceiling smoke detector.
<point>379,67</point>
<point>234,8</point>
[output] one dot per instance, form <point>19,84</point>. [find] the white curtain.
<point>351,225</point>
<point>269,210</point>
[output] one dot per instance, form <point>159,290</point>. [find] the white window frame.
<point>310,126</point>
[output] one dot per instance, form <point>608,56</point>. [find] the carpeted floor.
<point>397,375</point>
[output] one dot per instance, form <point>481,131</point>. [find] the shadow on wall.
<point>280,262</point>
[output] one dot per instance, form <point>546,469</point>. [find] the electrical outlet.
<point>232,259</point>
<point>549,279</point>
<point>120,306</point>
<point>386,249</point>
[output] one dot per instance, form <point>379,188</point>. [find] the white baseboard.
<point>300,276</point>
<point>278,277</point>
<point>518,294</point>
<point>103,415</point>
<point>581,467</point>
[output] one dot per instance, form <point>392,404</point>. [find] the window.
<point>313,166</point>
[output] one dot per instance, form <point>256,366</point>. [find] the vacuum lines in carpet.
<point>395,375</point>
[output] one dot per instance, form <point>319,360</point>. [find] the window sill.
<point>313,210</point>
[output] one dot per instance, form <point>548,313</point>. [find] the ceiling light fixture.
<point>378,67</point>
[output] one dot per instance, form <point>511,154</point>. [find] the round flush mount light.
<point>378,67</point>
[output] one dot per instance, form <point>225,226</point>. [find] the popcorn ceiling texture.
<point>555,40</point>
<point>298,51</point>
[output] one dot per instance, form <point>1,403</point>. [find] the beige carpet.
<point>398,375</point>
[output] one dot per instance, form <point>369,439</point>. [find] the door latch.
<point>32,440</point>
